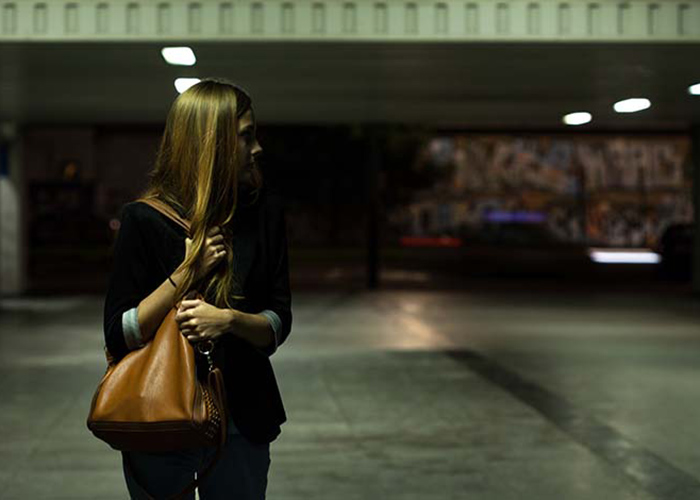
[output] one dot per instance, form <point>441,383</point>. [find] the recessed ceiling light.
<point>694,89</point>
<point>577,118</point>
<point>182,84</point>
<point>179,56</point>
<point>632,105</point>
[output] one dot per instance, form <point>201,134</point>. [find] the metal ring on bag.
<point>210,345</point>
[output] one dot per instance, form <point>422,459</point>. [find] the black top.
<point>150,246</point>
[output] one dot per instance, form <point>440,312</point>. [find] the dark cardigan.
<point>149,247</point>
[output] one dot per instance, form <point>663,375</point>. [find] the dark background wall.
<point>602,189</point>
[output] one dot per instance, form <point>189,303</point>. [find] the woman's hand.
<point>200,321</point>
<point>214,251</point>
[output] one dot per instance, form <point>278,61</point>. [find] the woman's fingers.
<point>192,335</point>
<point>215,240</point>
<point>214,249</point>
<point>215,255</point>
<point>218,251</point>
<point>188,325</point>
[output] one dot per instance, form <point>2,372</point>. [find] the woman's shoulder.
<point>144,214</point>
<point>141,221</point>
<point>270,201</point>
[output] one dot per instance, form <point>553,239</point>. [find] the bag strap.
<point>166,210</point>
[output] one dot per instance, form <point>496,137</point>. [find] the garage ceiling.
<point>471,85</point>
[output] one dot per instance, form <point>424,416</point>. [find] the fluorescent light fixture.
<point>182,84</point>
<point>179,56</point>
<point>694,89</point>
<point>623,256</point>
<point>632,105</point>
<point>578,118</point>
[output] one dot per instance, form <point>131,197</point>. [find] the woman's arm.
<point>269,328</point>
<point>133,309</point>
<point>278,307</point>
<point>279,304</point>
<point>128,284</point>
<point>132,314</point>
<point>155,307</point>
<point>254,328</point>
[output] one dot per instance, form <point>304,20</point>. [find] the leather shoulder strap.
<point>168,211</point>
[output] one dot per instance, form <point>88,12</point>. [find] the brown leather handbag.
<point>153,399</point>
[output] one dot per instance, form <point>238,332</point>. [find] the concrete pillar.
<point>695,158</point>
<point>373,166</point>
<point>12,249</point>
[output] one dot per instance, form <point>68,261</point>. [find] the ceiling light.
<point>632,105</point>
<point>694,89</point>
<point>179,56</point>
<point>578,118</point>
<point>182,84</point>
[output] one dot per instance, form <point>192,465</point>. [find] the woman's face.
<point>249,147</point>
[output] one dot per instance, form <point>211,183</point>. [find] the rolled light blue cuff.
<point>132,332</point>
<point>276,324</point>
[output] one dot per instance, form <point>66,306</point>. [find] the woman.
<point>206,170</point>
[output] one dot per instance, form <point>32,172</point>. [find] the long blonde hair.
<point>196,172</point>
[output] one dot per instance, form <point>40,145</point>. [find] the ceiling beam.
<point>397,21</point>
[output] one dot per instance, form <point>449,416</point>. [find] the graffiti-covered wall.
<point>620,190</point>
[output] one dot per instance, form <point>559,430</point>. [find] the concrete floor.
<point>491,393</point>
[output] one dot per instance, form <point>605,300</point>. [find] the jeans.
<point>240,474</point>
